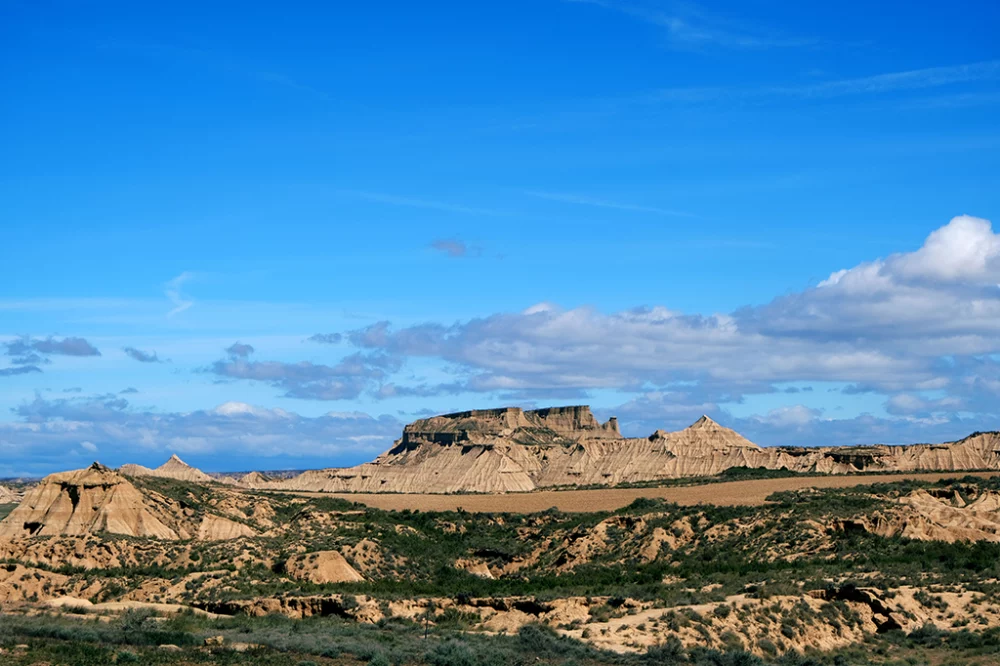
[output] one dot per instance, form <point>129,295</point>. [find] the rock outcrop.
<point>933,515</point>
<point>219,528</point>
<point>253,480</point>
<point>101,500</point>
<point>325,566</point>
<point>513,450</point>
<point>96,499</point>
<point>174,468</point>
<point>9,496</point>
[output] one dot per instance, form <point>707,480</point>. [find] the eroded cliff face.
<point>554,426</point>
<point>101,500</point>
<point>96,499</point>
<point>513,450</point>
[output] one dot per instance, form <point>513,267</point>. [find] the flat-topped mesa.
<point>552,425</point>
<point>575,422</point>
<point>513,450</point>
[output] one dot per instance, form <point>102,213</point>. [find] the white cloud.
<point>926,320</point>
<point>48,428</point>
<point>233,408</point>
<point>966,250</point>
<point>173,292</point>
<point>793,415</point>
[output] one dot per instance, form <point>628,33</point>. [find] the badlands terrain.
<point>511,450</point>
<point>694,547</point>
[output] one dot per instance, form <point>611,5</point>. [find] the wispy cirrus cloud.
<point>914,79</point>
<point>213,60</point>
<point>173,292</point>
<point>876,84</point>
<point>688,26</point>
<point>584,200</point>
<point>429,204</point>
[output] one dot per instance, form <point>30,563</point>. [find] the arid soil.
<point>726,493</point>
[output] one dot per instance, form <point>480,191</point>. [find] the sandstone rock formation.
<point>96,499</point>
<point>219,528</point>
<point>9,496</point>
<point>253,480</point>
<point>99,499</point>
<point>512,450</point>
<point>174,468</point>
<point>931,515</point>
<point>326,566</point>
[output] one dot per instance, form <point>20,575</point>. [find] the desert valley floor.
<point>720,493</point>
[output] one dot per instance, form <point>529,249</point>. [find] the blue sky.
<point>406,208</point>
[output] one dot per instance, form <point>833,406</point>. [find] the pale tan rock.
<point>511,450</point>
<point>253,480</point>
<point>474,567</point>
<point>96,499</point>
<point>9,496</point>
<point>174,468</point>
<point>929,517</point>
<point>325,566</point>
<point>218,528</point>
<point>99,499</point>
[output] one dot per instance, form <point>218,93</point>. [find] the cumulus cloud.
<point>906,326</point>
<point>348,378</point>
<point>142,356</point>
<point>910,404</point>
<point>45,429</point>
